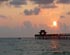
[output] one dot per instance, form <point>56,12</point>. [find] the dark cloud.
<point>48,6</point>
<point>28,12</point>
<point>42,1</point>
<point>18,2</point>
<point>64,1</point>
<point>45,3</point>
<point>3,17</point>
<point>68,13</point>
<point>3,0</point>
<point>51,6</point>
<point>62,16</point>
<point>34,11</point>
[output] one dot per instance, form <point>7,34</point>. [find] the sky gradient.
<point>24,18</point>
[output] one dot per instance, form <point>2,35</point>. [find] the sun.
<point>54,23</point>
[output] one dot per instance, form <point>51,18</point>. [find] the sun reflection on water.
<point>55,46</point>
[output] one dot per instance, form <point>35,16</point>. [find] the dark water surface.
<point>30,46</point>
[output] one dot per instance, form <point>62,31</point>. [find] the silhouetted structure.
<point>43,35</point>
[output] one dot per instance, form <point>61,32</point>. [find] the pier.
<point>43,35</point>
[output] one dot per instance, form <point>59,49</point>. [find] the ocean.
<point>31,46</point>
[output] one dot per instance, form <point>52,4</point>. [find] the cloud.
<point>68,13</point>
<point>64,1</point>
<point>9,32</point>
<point>3,0</point>
<point>29,30</point>
<point>3,17</point>
<point>63,27</point>
<point>62,16</point>
<point>27,12</point>
<point>42,1</point>
<point>45,3</point>
<point>48,6</point>
<point>34,11</point>
<point>18,2</point>
<point>27,24</point>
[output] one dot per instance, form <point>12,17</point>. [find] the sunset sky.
<point>24,18</point>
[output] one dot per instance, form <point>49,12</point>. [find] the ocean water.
<point>31,46</point>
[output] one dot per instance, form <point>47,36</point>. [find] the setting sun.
<point>54,23</point>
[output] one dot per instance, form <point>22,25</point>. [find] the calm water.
<point>14,46</point>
